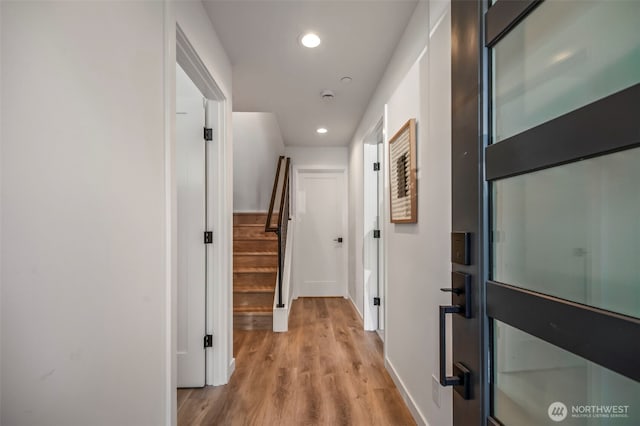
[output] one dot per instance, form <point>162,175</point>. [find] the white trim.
<point>408,399</point>
<point>281,315</point>
<point>297,170</point>
<point>170,225</point>
<point>385,227</point>
<point>197,71</point>
<point>232,367</point>
<point>355,306</point>
<point>219,282</point>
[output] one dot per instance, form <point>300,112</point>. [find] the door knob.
<point>338,240</point>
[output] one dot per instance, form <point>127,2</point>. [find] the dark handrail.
<point>267,226</point>
<point>285,188</point>
<point>283,219</point>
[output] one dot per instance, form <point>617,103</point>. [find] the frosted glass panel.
<point>531,374</point>
<point>564,55</point>
<point>573,231</point>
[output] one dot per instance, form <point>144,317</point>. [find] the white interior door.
<point>320,228</point>
<point>191,190</point>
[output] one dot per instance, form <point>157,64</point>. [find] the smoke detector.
<point>327,95</point>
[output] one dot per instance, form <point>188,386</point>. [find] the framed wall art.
<point>402,174</point>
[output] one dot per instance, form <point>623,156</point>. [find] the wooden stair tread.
<point>255,269</point>
<point>255,253</point>
<point>265,237</point>
<point>253,310</point>
<point>255,245</point>
<point>249,225</point>
<point>254,288</point>
<point>261,238</point>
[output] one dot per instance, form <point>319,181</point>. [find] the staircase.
<point>255,265</point>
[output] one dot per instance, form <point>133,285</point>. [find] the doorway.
<point>191,177</point>
<point>373,150</point>
<point>544,160</point>
<point>320,233</point>
<point>213,294</point>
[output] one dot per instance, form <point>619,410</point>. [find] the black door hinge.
<point>208,340</point>
<point>208,237</point>
<point>376,166</point>
<point>376,233</point>
<point>376,301</point>
<point>208,134</point>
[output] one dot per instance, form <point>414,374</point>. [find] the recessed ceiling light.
<point>322,130</point>
<point>345,80</point>
<point>310,40</point>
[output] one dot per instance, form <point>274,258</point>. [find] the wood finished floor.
<point>325,371</point>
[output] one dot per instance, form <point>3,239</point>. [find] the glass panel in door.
<point>564,55</point>
<point>536,383</point>
<point>570,231</point>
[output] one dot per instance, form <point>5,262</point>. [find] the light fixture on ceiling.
<point>327,95</point>
<point>322,130</point>
<point>310,40</point>
<point>346,80</point>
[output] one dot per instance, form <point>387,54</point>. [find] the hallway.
<point>325,371</point>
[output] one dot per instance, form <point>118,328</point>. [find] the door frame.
<point>298,171</point>
<point>219,359</point>
<point>469,196</point>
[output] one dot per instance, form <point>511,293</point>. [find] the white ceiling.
<point>273,72</point>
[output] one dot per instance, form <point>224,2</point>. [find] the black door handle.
<point>338,240</point>
<point>461,379</point>
<point>452,290</point>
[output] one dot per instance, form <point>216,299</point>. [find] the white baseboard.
<point>411,404</point>
<point>356,307</point>
<point>231,369</point>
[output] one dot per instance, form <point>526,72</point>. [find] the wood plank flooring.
<point>325,371</point>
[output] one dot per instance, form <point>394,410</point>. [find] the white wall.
<point>83,214</point>
<point>257,146</point>
<point>88,273</point>
<point>410,46</point>
<point>331,156</point>
<point>417,261</point>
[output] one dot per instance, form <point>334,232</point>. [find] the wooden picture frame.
<point>402,175</point>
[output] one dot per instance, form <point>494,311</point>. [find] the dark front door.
<point>546,175</point>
